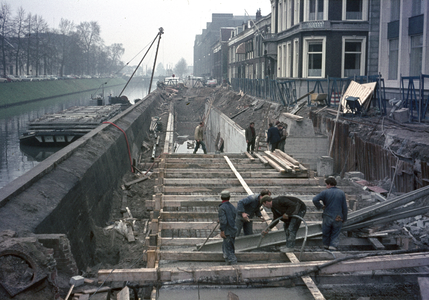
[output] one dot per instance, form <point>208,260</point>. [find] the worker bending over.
<point>285,207</point>
<point>246,209</point>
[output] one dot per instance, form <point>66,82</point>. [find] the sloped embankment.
<point>16,93</point>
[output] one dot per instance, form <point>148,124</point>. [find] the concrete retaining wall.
<point>302,143</point>
<point>219,125</point>
<point>71,191</point>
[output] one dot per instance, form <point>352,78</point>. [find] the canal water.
<point>15,159</point>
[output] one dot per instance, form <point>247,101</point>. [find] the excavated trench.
<point>89,180</point>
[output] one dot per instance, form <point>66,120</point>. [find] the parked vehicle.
<point>25,78</point>
<point>12,78</point>
<point>2,79</point>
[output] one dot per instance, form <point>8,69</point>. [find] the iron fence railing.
<point>285,93</point>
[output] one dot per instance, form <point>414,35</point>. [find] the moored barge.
<point>60,129</point>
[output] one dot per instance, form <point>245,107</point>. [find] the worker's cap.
<point>225,194</point>
<point>265,199</point>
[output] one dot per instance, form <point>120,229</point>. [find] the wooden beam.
<point>287,157</point>
<point>257,225</point>
<point>281,163</point>
<point>314,290</point>
<point>265,271</point>
<point>424,287</point>
<point>376,243</point>
<point>261,158</point>
<point>293,117</point>
<point>275,165</point>
<point>245,186</point>
<point>249,156</point>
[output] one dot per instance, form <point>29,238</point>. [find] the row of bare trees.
<point>29,47</point>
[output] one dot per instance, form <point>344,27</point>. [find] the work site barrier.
<point>285,92</point>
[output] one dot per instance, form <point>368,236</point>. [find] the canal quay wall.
<point>18,93</point>
<point>70,192</point>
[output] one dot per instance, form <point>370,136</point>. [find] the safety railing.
<point>285,93</point>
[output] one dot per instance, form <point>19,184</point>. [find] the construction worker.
<point>334,213</point>
<point>283,135</point>
<point>250,137</point>
<point>199,138</point>
<point>286,207</point>
<point>273,137</point>
<point>246,209</point>
<point>228,230</point>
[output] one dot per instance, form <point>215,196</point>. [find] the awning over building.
<point>241,49</point>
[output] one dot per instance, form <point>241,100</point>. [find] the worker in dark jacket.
<point>334,213</point>
<point>227,213</point>
<point>286,207</point>
<point>273,137</point>
<point>247,208</point>
<point>250,137</point>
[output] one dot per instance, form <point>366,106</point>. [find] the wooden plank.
<point>424,287</point>
<point>274,165</point>
<point>249,156</point>
<point>267,270</point>
<point>186,216</point>
<point>287,157</point>
<point>247,256</point>
<point>293,117</point>
<point>280,162</point>
<point>246,187</point>
<point>257,225</point>
<point>124,294</point>
<point>285,188</point>
<point>376,243</point>
<point>284,161</point>
<point>261,158</point>
<point>314,290</point>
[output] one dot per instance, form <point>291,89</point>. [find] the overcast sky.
<point>135,23</point>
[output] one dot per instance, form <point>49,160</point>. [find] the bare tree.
<point>181,67</point>
<point>66,29</point>
<point>5,25</point>
<point>40,27</point>
<point>89,34</point>
<point>18,32</point>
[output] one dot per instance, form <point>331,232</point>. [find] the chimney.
<point>258,15</point>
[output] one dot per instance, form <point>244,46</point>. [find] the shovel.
<point>199,248</point>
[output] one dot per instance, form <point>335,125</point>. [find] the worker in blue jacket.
<point>273,137</point>
<point>247,208</point>
<point>334,213</point>
<point>227,213</point>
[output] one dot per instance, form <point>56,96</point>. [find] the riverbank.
<point>17,93</point>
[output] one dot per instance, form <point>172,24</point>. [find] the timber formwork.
<point>184,244</point>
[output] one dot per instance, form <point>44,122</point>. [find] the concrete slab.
<point>299,292</point>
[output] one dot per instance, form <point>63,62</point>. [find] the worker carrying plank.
<point>247,208</point>
<point>284,208</point>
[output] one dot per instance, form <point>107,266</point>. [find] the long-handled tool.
<point>199,248</point>
<point>278,219</point>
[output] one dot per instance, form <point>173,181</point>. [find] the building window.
<point>353,57</point>
<point>314,9</point>
<point>288,58</point>
<point>417,7</point>
<point>263,70</point>
<point>295,57</point>
<point>279,61</point>
<point>395,10</point>
<point>355,10</point>
<point>295,9</point>
<point>416,55</point>
<point>393,59</point>
<point>314,58</point>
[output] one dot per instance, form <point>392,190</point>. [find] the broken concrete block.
<point>354,174</point>
<point>325,166</point>
<point>77,281</point>
<point>401,115</point>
